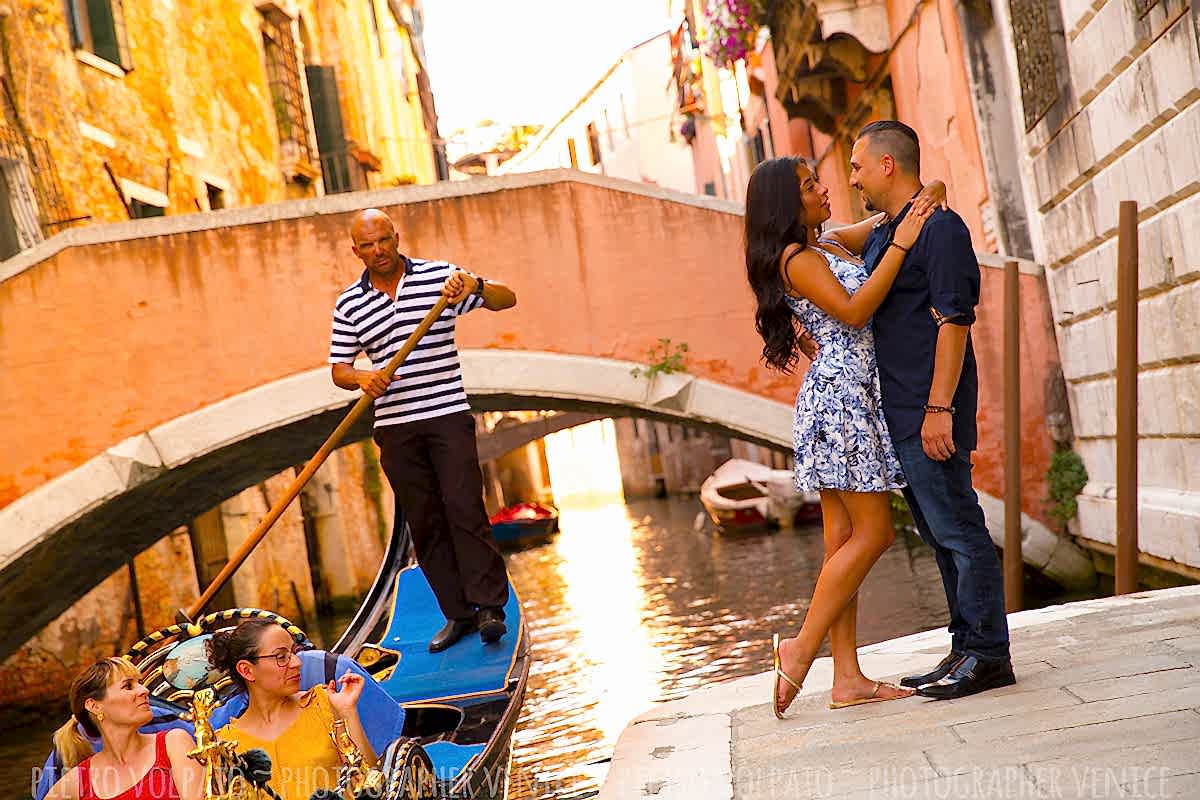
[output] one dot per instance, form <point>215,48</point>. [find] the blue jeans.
<point>948,517</point>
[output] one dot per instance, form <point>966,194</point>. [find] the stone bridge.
<point>152,369</point>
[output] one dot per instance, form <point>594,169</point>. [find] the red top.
<point>156,784</point>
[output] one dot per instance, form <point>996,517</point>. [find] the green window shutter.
<point>331,132</point>
<point>106,21</point>
<point>104,35</point>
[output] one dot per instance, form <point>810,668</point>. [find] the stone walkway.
<point>1107,705</point>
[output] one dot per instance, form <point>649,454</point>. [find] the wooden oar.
<point>311,467</point>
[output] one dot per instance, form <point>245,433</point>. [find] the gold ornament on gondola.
<point>222,781</point>
<point>354,778</point>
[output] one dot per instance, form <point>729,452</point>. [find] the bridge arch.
<point>75,530</point>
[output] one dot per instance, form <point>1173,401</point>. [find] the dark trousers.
<point>433,467</point>
<point>948,517</point>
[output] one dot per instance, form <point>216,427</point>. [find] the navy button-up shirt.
<point>940,272</point>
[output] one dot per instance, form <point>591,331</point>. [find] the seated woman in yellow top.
<point>291,726</point>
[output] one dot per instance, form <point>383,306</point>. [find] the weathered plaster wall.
<point>197,98</point>
<point>101,624</point>
<point>278,576</point>
<point>930,92</point>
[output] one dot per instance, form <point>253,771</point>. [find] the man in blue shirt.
<point>929,389</point>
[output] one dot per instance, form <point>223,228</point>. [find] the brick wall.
<point>1127,127</point>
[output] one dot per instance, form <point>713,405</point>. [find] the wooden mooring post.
<point>1014,568</point>
<point>1127,399</point>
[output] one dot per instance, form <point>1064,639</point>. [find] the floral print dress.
<point>842,440</point>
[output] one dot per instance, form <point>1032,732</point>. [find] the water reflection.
<point>631,606</point>
<point>603,595</point>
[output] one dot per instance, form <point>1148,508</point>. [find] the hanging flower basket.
<point>731,29</point>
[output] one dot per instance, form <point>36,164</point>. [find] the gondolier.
<point>423,425</point>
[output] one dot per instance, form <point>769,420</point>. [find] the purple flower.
<point>731,28</point>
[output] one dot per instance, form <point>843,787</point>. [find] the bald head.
<point>368,218</point>
<point>374,239</point>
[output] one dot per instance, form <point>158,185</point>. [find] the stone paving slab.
<point>1148,730</point>
<point>1107,705</point>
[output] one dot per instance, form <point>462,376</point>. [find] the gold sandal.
<point>873,697</point>
<point>779,673</point>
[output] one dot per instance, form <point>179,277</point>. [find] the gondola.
<point>524,524</point>
<point>443,721</point>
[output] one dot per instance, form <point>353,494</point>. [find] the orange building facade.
<point>124,109</point>
<point>814,76</point>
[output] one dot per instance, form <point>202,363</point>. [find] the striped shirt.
<point>366,320</point>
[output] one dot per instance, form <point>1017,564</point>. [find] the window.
<point>593,139</point>
<point>342,173</point>
<point>287,96</point>
<point>98,26</point>
<point>710,189</point>
<point>142,201</point>
<point>1036,66</point>
<point>216,197</point>
<point>32,203</point>
<point>571,154</point>
<point>142,210</point>
<point>19,229</point>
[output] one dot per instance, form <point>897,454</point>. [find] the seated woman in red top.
<point>109,702</point>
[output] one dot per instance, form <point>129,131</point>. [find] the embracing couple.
<point>885,307</point>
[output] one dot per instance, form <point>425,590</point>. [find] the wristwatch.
<point>479,282</point>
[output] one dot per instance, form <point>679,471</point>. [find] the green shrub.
<point>663,360</point>
<point>1066,479</point>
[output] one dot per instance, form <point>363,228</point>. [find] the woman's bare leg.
<point>849,682</point>
<point>842,573</point>
<point>847,674</point>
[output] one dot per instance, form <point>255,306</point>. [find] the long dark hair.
<point>227,648</point>
<point>773,221</point>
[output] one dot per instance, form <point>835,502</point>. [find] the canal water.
<point>630,606</point>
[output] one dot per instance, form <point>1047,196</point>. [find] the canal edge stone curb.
<point>685,747</point>
<point>672,756</point>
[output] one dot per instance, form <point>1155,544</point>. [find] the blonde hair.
<point>90,684</point>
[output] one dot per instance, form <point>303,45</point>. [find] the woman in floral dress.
<point>803,277</point>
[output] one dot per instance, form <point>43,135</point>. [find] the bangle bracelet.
<point>939,410</point>
<point>898,247</point>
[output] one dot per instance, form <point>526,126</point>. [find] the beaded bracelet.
<point>939,409</point>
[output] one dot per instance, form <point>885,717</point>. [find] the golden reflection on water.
<point>604,595</point>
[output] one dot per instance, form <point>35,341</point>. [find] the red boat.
<point>524,523</point>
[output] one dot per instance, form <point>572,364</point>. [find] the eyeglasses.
<point>282,656</point>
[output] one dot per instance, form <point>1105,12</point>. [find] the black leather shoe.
<point>491,624</point>
<point>934,675</point>
<point>450,633</point>
<point>970,676</point>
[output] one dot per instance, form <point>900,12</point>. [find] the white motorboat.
<point>741,494</point>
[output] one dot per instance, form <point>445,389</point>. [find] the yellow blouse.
<point>303,758</point>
